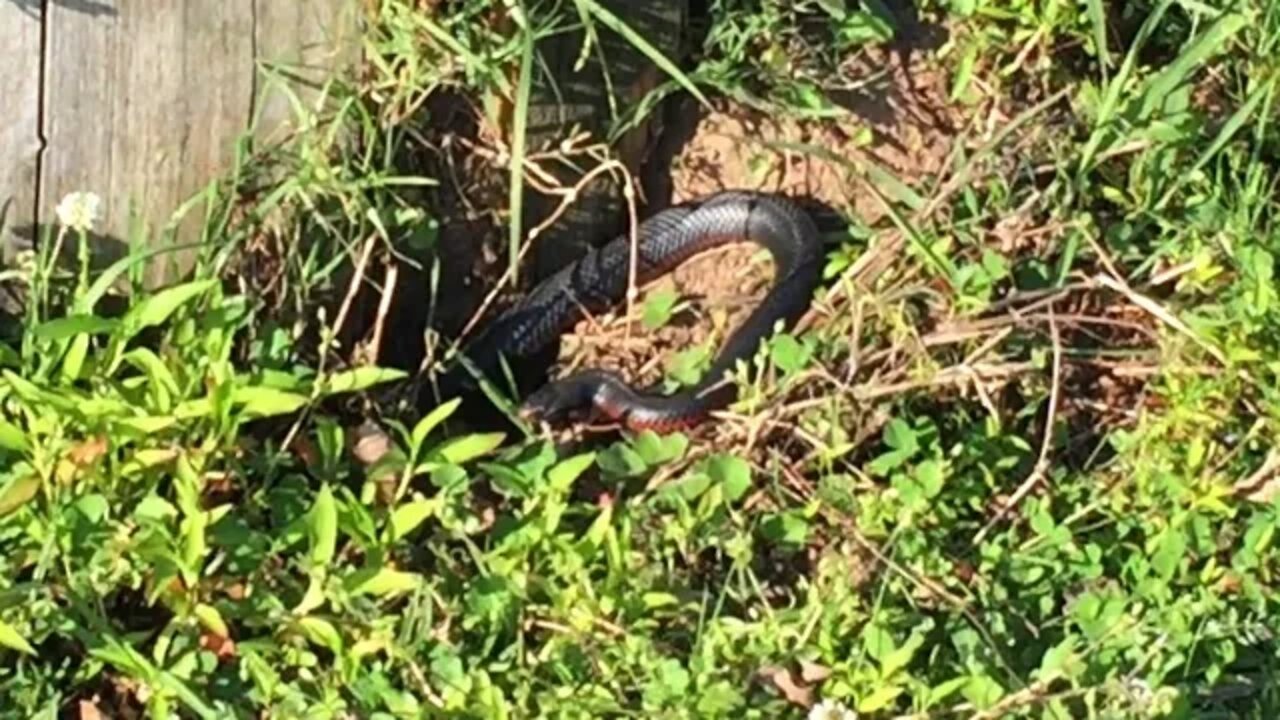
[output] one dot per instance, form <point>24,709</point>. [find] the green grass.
<point>1010,475</point>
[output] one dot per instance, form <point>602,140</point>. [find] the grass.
<point>1019,464</point>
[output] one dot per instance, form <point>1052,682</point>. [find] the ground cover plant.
<point>1018,462</point>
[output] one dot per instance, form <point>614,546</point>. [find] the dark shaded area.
<point>93,8</point>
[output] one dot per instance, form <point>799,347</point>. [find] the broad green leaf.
<point>562,476</point>
<point>267,402</point>
<point>359,379</point>
<point>65,327</point>
<point>410,515</point>
<point>879,698</point>
<point>382,582</point>
<point>12,639</point>
<point>321,632</point>
<point>313,598</point>
<point>12,438</point>
<point>469,447</point>
<point>73,360</point>
<point>211,619</point>
<point>18,493</point>
<point>156,309</point>
<point>156,371</point>
<point>148,425</point>
<point>322,527</point>
<point>659,307</point>
<point>731,473</point>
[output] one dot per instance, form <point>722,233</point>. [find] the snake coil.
<point>599,281</point>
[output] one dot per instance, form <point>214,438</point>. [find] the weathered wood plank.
<point>143,104</point>
<point>20,130</point>
<point>303,44</point>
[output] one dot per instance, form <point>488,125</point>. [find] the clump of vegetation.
<point>1026,469</point>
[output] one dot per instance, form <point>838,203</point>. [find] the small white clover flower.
<point>79,210</point>
<point>828,710</point>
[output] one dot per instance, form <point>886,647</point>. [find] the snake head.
<point>577,394</point>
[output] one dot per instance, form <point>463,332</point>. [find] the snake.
<point>599,281</point>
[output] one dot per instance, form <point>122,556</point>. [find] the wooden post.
<point>143,103</point>
<point>20,129</point>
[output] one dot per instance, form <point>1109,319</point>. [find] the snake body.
<point>600,280</point>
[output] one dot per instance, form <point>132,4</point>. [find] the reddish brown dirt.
<point>738,148</point>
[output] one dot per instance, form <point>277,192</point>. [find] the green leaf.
<point>562,476</point>
<point>12,438</point>
<point>410,515</point>
<point>12,639</point>
<point>262,401</point>
<point>322,527</point>
<point>690,487</point>
<point>789,354</point>
<point>1169,554</point>
<point>788,528</point>
<point>879,698</point>
<point>658,308</point>
<point>438,414</point>
<point>65,327</point>
<point>382,582</point>
<point>359,379</point>
<point>731,473</point>
<point>157,308</point>
<point>18,493</point>
<point>211,619</point>
<point>321,632</point>
<point>1175,73</point>
<point>469,447</point>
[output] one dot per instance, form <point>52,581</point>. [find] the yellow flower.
<point>79,211</point>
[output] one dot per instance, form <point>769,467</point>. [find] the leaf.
<point>562,476</point>
<point>12,438</point>
<point>789,354</point>
<point>469,447</point>
<point>382,582</point>
<point>438,414</point>
<point>313,598</point>
<point>211,619</point>
<point>409,516</point>
<point>879,698</point>
<point>359,379</point>
<point>65,327</point>
<point>1169,553</point>
<point>262,401</point>
<point>731,473</point>
<point>789,528</point>
<point>157,308</point>
<point>12,639</point>
<point>18,493</point>
<point>1174,74</point>
<point>321,632</point>
<point>322,527</point>
<point>878,641</point>
<point>658,308</point>
<point>690,487</point>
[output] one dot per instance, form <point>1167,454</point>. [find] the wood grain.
<point>143,108</point>
<point>20,130</point>
<point>303,44</point>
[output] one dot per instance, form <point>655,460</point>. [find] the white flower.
<point>828,710</point>
<point>79,211</point>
